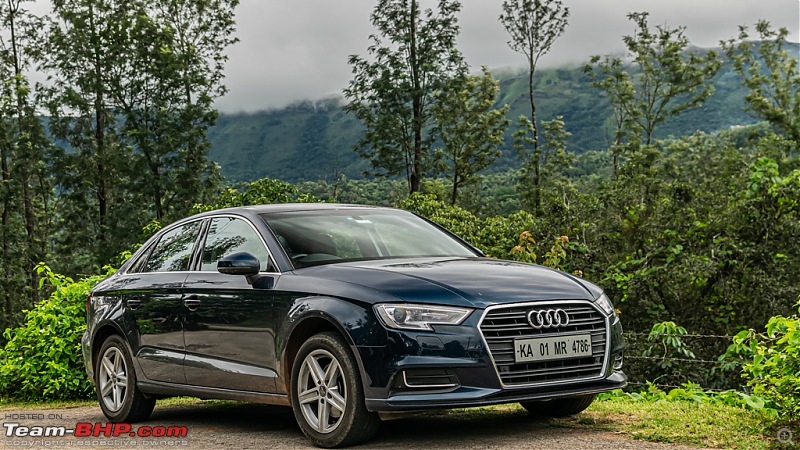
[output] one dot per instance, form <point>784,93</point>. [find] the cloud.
<point>298,49</point>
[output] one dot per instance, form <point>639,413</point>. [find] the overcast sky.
<point>292,50</point>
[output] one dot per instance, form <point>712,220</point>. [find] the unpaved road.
<point>247,426</point>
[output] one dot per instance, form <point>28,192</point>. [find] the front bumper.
<point>458,357</point>
<point>465,396</point>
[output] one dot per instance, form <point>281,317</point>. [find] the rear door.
<point>228,331</point>
<point>153,298</point>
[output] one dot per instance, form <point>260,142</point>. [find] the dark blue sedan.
<point>348,314</point>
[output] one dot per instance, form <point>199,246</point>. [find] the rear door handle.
<point>192,302</point>
<point>133,303</point>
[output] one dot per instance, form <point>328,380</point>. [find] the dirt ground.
<point>248,426</point>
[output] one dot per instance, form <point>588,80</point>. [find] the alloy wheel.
<point>321,391</point>
<point>113,379</point>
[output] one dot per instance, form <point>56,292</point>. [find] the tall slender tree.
<point>84,45</point>
<point>412,56</point>
<point>470,127</point>
<point>664,79</point>
<point>131,93</point>
<point>25,187</point>
<point>770,73</point>
<point>533,25</point>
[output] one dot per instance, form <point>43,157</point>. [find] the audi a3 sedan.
<point>348,314</point>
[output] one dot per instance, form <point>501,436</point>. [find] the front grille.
<point>501,325</point>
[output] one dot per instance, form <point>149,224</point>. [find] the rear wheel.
<point>560,407</point>
<point>327,396</point>
<point>120,399</point>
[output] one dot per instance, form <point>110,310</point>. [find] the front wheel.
<point>120,399</point>
<point>327,397</point>
<point>560,407</point>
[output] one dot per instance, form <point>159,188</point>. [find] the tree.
<point>668,78</point>
<point>164,90</point>
<point>533,26</point>
<point>471,129</point>
<point>25,191</point>
<point>85,45</point>
<point>614,80</point>
<point>553,161</point>
<point>770,74</point>
<point>131,93</point>
<point>412,57</point>
<point>201,31</point>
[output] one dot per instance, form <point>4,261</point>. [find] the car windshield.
<point>322,237</point>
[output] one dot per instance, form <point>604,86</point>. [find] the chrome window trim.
<point>606,356</point>
<point>202,219</point>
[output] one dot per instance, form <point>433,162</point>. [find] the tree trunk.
<point>537,197</point>
<point>455,189</point>
<point>416,161</point>
<point>100,148</point>
<point>6,175</point>
<point>24,158</point>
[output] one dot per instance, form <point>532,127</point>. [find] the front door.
<point>228,318</point>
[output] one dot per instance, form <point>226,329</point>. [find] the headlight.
<point>605,304</point>
<point>419,317</point>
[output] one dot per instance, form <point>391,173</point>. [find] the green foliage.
<point>772,365</point>
<point>471,129</point>
<point>692,392</point>
<point>261,192</point>
<point>130,99</point>
<point>306,141</point>
<point>668,79</point>
<point>413,56</point>
<point>503,237</point>
<point>42,359</point>
<point>533,26</point>
<point>25,187</point>
<point>770,73</point>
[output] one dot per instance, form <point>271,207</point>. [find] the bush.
<point>42,359</point>
<point>773,364</point>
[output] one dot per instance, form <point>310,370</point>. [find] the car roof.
<point>291,207</point>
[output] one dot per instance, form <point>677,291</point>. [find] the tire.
<point>119,398</point>
<point>338,400</point>
<point>561,407</point>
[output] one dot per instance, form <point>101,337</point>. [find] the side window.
<point>138,265</point>
<point>174,250</point>
<point>227,235</point>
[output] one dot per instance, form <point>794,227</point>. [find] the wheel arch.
<point>100,335</point>
<point>327,314</point>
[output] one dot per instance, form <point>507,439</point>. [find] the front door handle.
<point>133,303</point>
<point>192,302</point>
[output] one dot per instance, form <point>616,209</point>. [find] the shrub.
<point>42,359</point>
<point>773,364</point>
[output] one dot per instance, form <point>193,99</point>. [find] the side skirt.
<point>205,393</point>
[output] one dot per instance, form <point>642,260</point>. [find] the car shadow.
<point>456,428</point>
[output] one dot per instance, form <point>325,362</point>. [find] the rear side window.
<point>173,253</point>
<point>227,235</point>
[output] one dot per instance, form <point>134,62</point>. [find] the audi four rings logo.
<point>548,318</point>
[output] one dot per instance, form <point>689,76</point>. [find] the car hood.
<point>477,282</point>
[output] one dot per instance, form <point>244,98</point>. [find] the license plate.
<point>559,347</point>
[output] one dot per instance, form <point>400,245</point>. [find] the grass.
<point>673,422</point>
<point>677,422</point>
<point>13,404</point>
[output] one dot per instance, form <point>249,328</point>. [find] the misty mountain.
<point>314,140</point>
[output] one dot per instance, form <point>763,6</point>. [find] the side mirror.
<point>241,263</point>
